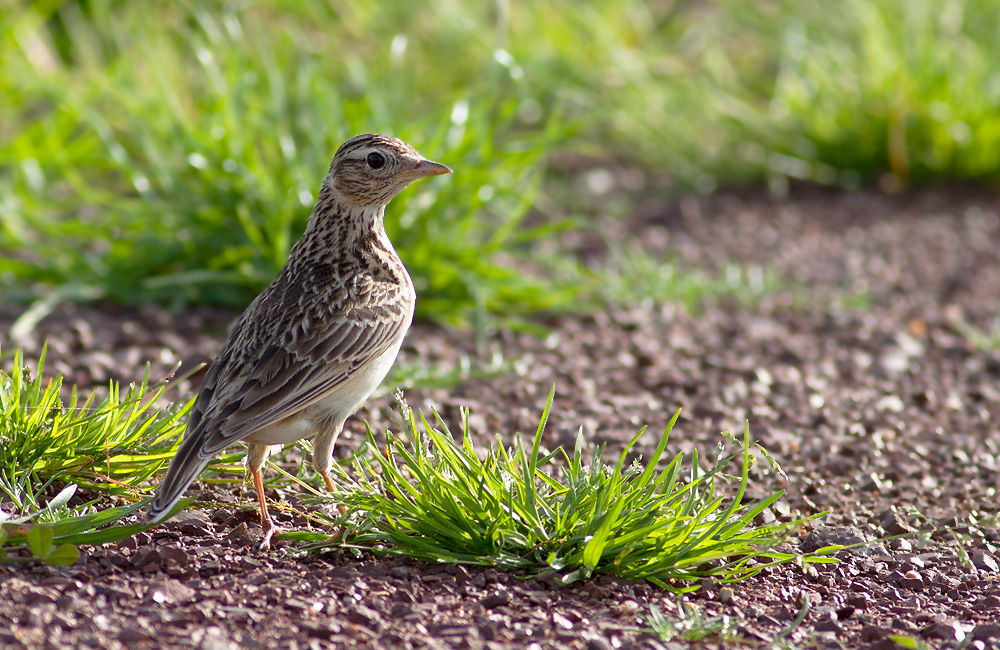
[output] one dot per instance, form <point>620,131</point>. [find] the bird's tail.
<point>189,462</point>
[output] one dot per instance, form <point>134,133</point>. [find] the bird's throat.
<point>339,225</point>
<point>337,232</point>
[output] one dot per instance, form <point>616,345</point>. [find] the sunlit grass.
<point>985,338</point>
<point>175,155</point>
<point>53,533</point>
<point>632,276</point>
<point>172,154</point>
<point>425,495</point>
<point>113,446</point>
<point>840,94</point>
<point>421,494</point>
<point>693,626</point>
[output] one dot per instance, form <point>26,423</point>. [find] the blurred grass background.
<point>171,152</point>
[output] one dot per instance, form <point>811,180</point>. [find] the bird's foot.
<point>269,530</point>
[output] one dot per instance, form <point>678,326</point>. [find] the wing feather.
<point>264,393</point>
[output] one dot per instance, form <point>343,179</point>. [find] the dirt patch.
<point>855,376</point>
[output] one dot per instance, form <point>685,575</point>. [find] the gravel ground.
<point>856,375</point>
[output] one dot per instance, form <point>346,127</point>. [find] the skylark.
<point>311,348</point>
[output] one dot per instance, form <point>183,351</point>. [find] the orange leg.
<point>333,488</point>
<point>265,518</point>
<point>343,509</point>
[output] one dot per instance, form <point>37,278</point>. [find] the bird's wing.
<point>266,374</point>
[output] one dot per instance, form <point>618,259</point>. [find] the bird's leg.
<point>343,509</point>
<point>265,519</point>
<point>332,488</point>
<point>323,454</point>
<point>323,460</point>
<point>256,456</point>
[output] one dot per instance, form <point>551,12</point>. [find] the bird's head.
<point>368,169</point>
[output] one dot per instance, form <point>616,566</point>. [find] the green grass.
<point>173,154</point>
<point>631,276</point>
<point>693,627</point>
<point>118,446</point>
<point>53,533</point>
<point>567,514</point>
<point>835,93</point>
<point>114,446</point>
<point>986,338</point>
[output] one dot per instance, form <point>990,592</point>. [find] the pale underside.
<point>323,420</point>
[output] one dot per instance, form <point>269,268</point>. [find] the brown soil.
<point>857,377</point>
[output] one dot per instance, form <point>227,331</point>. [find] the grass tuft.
<point>55,542</point>
<point>113,446</point>
<point>567,515</point>
<point>986,338</point>
<point>692,626</point>
<point>632,276</point>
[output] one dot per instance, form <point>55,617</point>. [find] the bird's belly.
<point>336,407</point>
<point>294,427</point>
<point>353,393</point>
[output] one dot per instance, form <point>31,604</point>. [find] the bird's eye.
<point>375,160</point>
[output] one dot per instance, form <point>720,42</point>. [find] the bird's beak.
<point>424,169</point>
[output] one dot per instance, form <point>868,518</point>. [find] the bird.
<point>313,346</point>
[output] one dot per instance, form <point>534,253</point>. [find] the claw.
<point>269,530</point>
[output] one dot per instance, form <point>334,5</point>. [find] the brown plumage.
<point>311,348</point>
